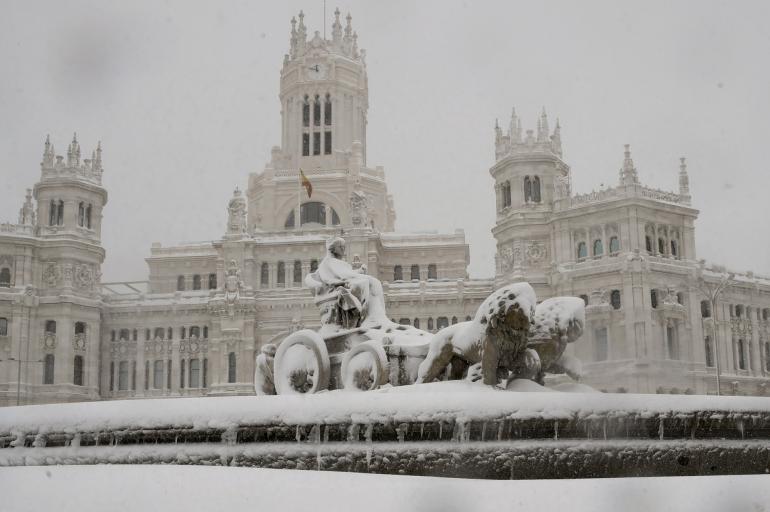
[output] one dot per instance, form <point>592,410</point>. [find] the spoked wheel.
<point>365,367</point>
<point>301,364</point>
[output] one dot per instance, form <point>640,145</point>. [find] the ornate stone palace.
<point>657,319</point>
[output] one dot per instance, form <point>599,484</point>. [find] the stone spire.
<point>628,175</point>
<point>684,181</point>
<point>556,139</point>
<point>73,152</point>
<point>48,153</point>
<point>542,127</point>
<point>293,40</point>
<point>97,158</point>
<point>337,29</point>
<point>514,129</point>
<point>301,34</point>
<point>27,211</point>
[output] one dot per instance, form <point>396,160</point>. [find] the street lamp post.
<point>712,293</point>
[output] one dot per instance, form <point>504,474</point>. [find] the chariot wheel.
<point>365,367</point>
<point>301,364</point>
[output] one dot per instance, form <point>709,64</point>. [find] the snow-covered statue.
<point>236,214</point>
<point>233,283</point>
<point>348,298</point>
<point>510,337</point>
<point>264,382</point>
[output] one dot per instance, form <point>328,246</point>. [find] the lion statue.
<point>510,337</point>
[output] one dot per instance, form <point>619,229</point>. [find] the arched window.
<point>212,281</point>
<point>442,322</point>
<point>289,220</point>
<point>506,194</point>
<point>52,213</point>
<point>454,320</point>
<point>48,368</point>
<point>415,273</point>
<point>112,335</point>
<point>305,144</point>
<point>160,333</point>
<point>77,377</point>
<point>680,298</point>
<point>536,189</point>
<point>134,335</point>
<point>123,376</point>
<point>5,277</point>
<point>313,265</point>
<point>50,326</point>
<point>468,318</point>
<point>297,273</point>
<point>306,112</point>
<point>614,245</point>
<point>3,327</point>
<point>315,212</point>
<point>398,273</point>
<point>709,351</point>
<point>741,355</point>
<point>430,323</point>
<point>264,275</point>
<point>582,251</point>
<point>281,278</point>
<point>170,333</point>
<point>432,274</point>
<point>124,335</point>
<point>615,299</point>
<point>661,246</point>
<point>195,331</point>
<point>404,321</point>
<point>648,244</point>
<point>601,344</point>
<point>81,214</point>
<point>88,216</point>
<point>654,298</point>
<point>182,333</point>
<point>527,189</point>
<point>206,331</point>
<point>60,213</point>
<point>180,283</point>
<point>328,110</point>
<point>317,111</point>
<point>674,249</point>
<point>598,247</point>
<point>738,311</point>
<point>231,367</point>
<point>147,334</point>
<point>195,373</point>
<point>157,374</point>
<point>416,323</point>
<point>196,282</point>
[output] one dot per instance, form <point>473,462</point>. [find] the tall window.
<point>195,373</point>
<point>614,245</point>
<point>50,326</point>
<point>328,111</point>
<point>767,356</point>
<point>705,309</point>
<point>615,299</point>
<point>430,323</point>
<point>741,354</point>
<point>672,343</point>
<point>317,111</point>
<point>52,213</point>
<point>327,142</point>
<point>313,265</point>
<point>133,375</point>
<point>305,144</point>
<point>160,333</point>
<point>601,345</point>
<point>81,214</point>
<point>316,143</point>
<point>654,298</point>
<point>180,283</point>
<point>88,216</point>
<point>289,220</point>
<point>506,194</point>
<point>398,273</point>
<point>231,367</point>
<point>661,246</point>
<point>196,282</point>
<point>536,189</point>
<point>134,335</point>
<point>157,374</point>
<point>454,320</point>
<point>60,213</point>
<point>598,247</point>
<point>212,281</point>
<point>442,322</point>
<point>206,331</point>
<point>195,331</point>
<point>205,372</point>
<point>648,244</point>
<point>582,251</point>
<point>123,376</point>
<point>77,378</point>
<point>264,275</point>
<point>147,334</point>
<point>709,351</point>
<point>3,327</point>
<point>416,323</point>
<point>674,249</point>
<point>146,375</point>
<point>5,277</point>
<point>313,212</point>
<point>48,367</point>
<point>281,274</point>
<point>181,374</point>
<point>306,112</point>
<point>297,273</point>
<point>432,274</point>
<point>415,272</point>
<point>168,374</point>
<point>527,189</point>
<point>112,375</point>
<point>125,334</point>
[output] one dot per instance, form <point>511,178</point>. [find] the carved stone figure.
<point>264,381</point>
<point>236,214</point>
<point>359,208</point>
<point>233,283</point>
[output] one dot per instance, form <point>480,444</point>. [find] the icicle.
<point>297,436</point>
<point>326,433</point>
<point>401,432</point>
<point>318,459</point>
<point>483,430</point>
<point>422,428</point>
<point>555,430</point>
<point>440,429</point>
<point>739,424</point>
<point>604,428</point>
<point>660,428</point>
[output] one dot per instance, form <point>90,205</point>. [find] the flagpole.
<point>298,216</point>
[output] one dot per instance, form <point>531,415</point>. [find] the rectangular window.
<point>316,143</point>
<point>205,372</point>
<point>601,344</point>
<point>112,375</point>
<point>671,342</point>
<point>48,370</point>
<point>77,378</point>
<point>327,143</point>
<point>305,144</point>
<point>133,375</point>
<point>168,375</point>
<point>146,375</point>
<point>181,374</point>
<point>123,376</point>
<point>157,375</point>
<point>195,373</point>
<point>231,367</point>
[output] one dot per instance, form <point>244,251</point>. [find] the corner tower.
<point>529,176</point>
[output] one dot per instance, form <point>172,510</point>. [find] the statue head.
<point>336,247</point>
<point>269,350</point>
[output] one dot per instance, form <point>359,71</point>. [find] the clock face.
<point>316,71</point>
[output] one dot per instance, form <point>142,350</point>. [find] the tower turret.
<point>628,174</point>
<point>684,182</point>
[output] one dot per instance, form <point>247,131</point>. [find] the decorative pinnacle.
<point>75,138</point>
<point>682,164</point>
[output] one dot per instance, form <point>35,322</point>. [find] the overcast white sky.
<point>184,97</point>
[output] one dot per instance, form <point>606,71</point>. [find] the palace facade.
<point>658,319</point>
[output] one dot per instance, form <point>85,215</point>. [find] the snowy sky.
<point>184,97</point>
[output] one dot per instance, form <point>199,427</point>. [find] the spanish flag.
<point>305,183</point>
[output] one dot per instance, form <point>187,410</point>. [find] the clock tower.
<point>324,97</point>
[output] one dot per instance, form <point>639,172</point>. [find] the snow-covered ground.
<point>186,488</point>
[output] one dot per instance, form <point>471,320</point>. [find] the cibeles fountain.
<point>358,348</point>
<point>476,399</point>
